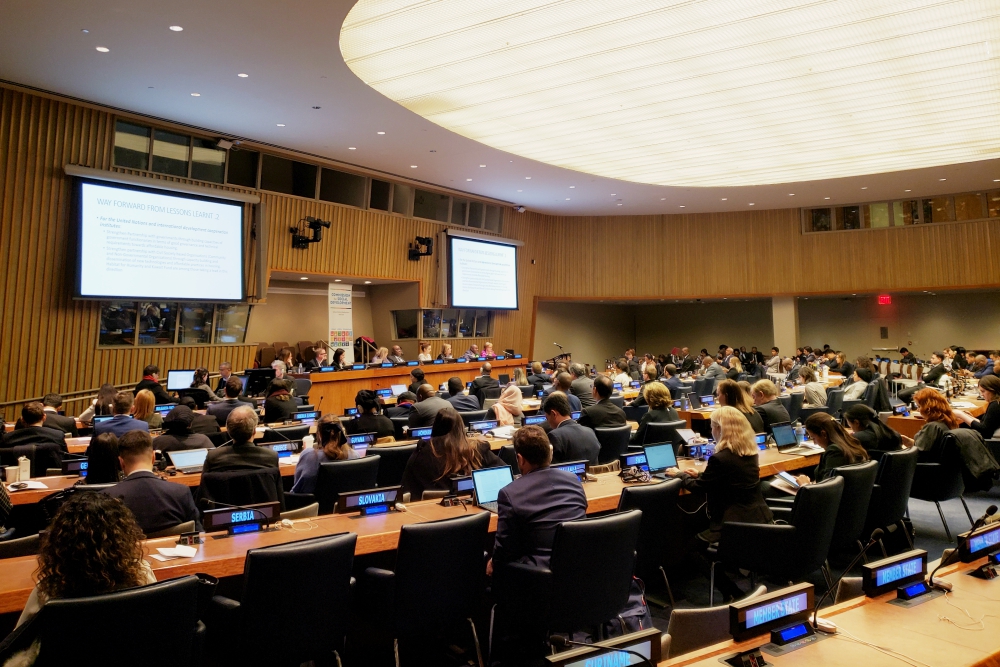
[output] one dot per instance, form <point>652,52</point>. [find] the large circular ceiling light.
<point>696,93</point>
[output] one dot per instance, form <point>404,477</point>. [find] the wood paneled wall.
<point>48,341</point>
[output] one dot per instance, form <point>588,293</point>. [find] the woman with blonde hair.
<point>735,368</point>
<point>143,408</point>
<point>507,410</point>
<point>732,394</point>
<point>381,356</point>
<point>446,352</point>
<point>661,409</point>
<point>520,378</point>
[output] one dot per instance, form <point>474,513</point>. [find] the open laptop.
<point>503,379</point>
<point>659,458</point>
<point>106,418</point>
<point>177,380</point>
<point>487,483</point>
<point>784,439</point>
<point>398,389</point>
<point>188,460</point>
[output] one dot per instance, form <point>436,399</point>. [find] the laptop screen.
<point>489,481</point>
<point>177,380</point>
<point>534,420</point>
<point>398,389</point>
<point>106,418</point>
<point>660,457</point>
<point>761,440</point>
<point>503,379</point>
<point>187,457</point>
<point>575,415</point>
<point>383,393</point>
<point>350,412</point>
<point>617,386</point>
<point>784,434</point>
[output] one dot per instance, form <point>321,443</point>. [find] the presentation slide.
<point>144,243</point>
<point>482,274</point>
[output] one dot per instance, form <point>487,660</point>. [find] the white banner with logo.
<point>341,321</point>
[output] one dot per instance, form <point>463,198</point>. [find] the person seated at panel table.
<point>472,353</point>
<point>425,352</point>
<point>458,398</point>
<point>767,404</point>
<point>623,378</point>
<point>570,441</point>
<point>773,363</point>
<point>448,453</point>
<point>859,385</point>
<point>151,381</point>
<point>989,423</point>
<point>731,393</point>
<point>122,422</point>
<point>178,435</point>
<point>71,564</point>
<point>381,356</point>
<point>279,406</point>
<point>735,368</point>
<point>156,503</point>
<point>143,409</point>
<point>103,464</point>
<point>331,445</point>
<point>200,381</point>
<point>287,356</point>
<point>563,382</point>
<point>603,413</point>
<point>731,482</point>
<point>530,508</point>
<point>867,429</point>
<point>221,409</point>
<point>416,379</point>
<point>404,404</point>
<point>370,418</point>
<point>241,453</point>
<point>338,359</point>
<point>840,448</point>
<point>225,372</point>
<point>931,378</point>
<point>396,356</point>
<point>428,405</point>
<point>508,409</point>
<point>319,359</point>
<point>815,392</point>
<point>51,403</point>
<point>661,409</point>
<point>446,353</point>
<point>488,351</point>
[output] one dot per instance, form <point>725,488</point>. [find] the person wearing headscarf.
<point>507,409</point>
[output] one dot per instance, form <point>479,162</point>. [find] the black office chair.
<point>15,547</point>
<point>421,601</point>
<point>661,432</point>
<point>285,433</point>
<point>336,477</point>
<point>392,463</point>
<point>302,387</point>
<point>472,416</point>
<point>871,394</point>
<point>835,401</point>
<point>941,480</point>
<point>892,493</point>
<point>634,413</point>
<point>787,551</point>
<point>586,584</point>
<point>68,626</point>
<point>662,521</point>
<point>509,456</point>
<point>241,487</point>
<point>806,413</point>
<point>614,442</point>
<point>681,392</point>
<point>618,401</point>
<point>491,392</point>
<point>398,423</point>
<point>527,391</point>
<point>43,456</point>
<point>282,586</point>
<point>200,396</point>
<point>795,406</point>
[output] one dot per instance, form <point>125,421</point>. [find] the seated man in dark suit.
<point>221,409</point>
<point>673,382</point>
<point>33,429</point>
<point>225,372</point>
<point>688,361</point>
<point>482,383</point>
<point>570,441</point>
<point>427,407</point>
<point>319,359</point>
<point>404,404</point>
<point>52,403</point>
<point>241,453</point>
<point>538,378</point>
<point>156,503</point>
<point>563,382</point>
<point>604,413</point>
<point>582,386</point>
<point>767,405</point>
<point>151,381</point>
<point>122,422</point>
<point>931,378</point>
<point>531,507</point>
<point>457,397</point>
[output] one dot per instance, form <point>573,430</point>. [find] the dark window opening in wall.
<point>401,195</point>
<point>243,168</point>
<point>170,153</point>
<point>117,323</point>
<point>431,206</point>
<point>157,323</point>
<point>820,219</point>
<point>379,197</point>
<point>131,145</point>
<point>288,177</point>
<point>459,209</point>
<point>208,161</point>
<point>883,333</point>
<point>342,188</point>
<point>852,217</point>
<point>163,323</point>
<point>449,323</point>
<point>476,210</point>
<point>494,217</point>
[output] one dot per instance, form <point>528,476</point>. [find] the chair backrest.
<point>306,512</point>
<point>305,348</point>
<point>892,488</point>
<point>200,396</point>
<point>592,565</point>
<point>806,413</point>
<point>661,522</point>
<point>614,442</point>
<point>660,432</point>
<point>634,413</point>
<point>618,401</point>
<point>397,427</point>
<point>859,481</point>
<point>274,603</point>
<point>473,416</point>
<point>491,392</point>
<point>489,403</point>
<point>280,345</point>
<point>21,546</point>
<point>43,456</point>
<point>392,462</point>
<point>302,387</point>
<point>509,456</point>
<point>848,589</point>
<point>814,515</point>
<point>834,400</point>
<point>179,529</point>
<point>434,598</point>
<point>527,391</point>
<point>941,479</point>
<point>285,433</point>
<point>241,487</point>
<point>795,405</point>
<point>336,477</point>
<point>871,394</point>
<point>265,356</point>
<point>692,629</point>
<point>170,606</point>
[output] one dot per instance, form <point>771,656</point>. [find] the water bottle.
<point>23,468</point>
<point>800,434</point>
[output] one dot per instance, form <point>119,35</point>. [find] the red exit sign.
<point>884,299</point>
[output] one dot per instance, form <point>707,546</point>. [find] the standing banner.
<point>341,320</point>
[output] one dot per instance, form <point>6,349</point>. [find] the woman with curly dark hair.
<point>93,546</point>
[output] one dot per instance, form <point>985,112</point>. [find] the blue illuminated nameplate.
<point>881,576</point>
<point>517,356</point>
<point>423,433</point>
<point>483,426</point>
<point>481,359</point>
<point>462,360</point>
<point>412,363</point>
<point>383,393</point>
<point>439,361</point>
<point>358,367</point>
<point>368,501</point>
<point>768,612</point>
<point>388,364</point>
<point>361,439</point>
<point>636,384</point>
<point>897,572</point>
<point>912,591</point>
<point>775,610</point>
<point>578,468</point>
<point>794,632</point>
<point>617,386</point>
<point>327,369</point>
<point>351,412</point>
<point>981,543</point>
<point>633,461</point>
<point>245,528</point>
<point>236,520</point>
<point>534,420</point>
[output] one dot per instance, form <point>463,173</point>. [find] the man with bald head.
<point>426,408</point>
<point>482,383</point>
<point>688,362</point>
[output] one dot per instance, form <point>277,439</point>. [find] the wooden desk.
<point>333,392</point>
<point>916,632</point>
<point>909,426</point>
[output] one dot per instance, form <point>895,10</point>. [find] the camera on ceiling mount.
<point>316,225</point>
<point>422,247</point>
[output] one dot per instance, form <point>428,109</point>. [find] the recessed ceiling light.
<point>413,166</point>
<point>303,278</point>
<point>195,94</point>
<point>337,280</point>
<point>368,282</point>
<point>791,194</point>
<point>613,194</point>
<point>825,197</point>
<point>176,28</point>
<point>663,199</point>
<point>619,203</point>
<point>725,199</point>
<point>907,190</point>
<point>751,203</point>
<point>102,49</point>
<point>527,178</point>
<point>243,75</point>
<point>352,148</point>
<point>567,198</point>
<point>84,30</point>
<point>572,187</point>
<point>481,166</point>
<point>683,206</point>
<point>520,190</point>
<point>281,124</point>
<point>467,180</point>
<point>381,132</point>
